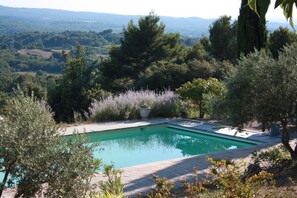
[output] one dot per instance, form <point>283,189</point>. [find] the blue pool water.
<point>128,147</point>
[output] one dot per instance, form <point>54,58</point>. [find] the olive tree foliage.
<point>261,7</point>
<point>264,89</point>
<point>37,158</point>
<point>194,91</point>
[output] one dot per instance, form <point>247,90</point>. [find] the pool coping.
<point>138,179</point>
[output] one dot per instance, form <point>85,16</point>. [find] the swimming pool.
<point>141,145</point>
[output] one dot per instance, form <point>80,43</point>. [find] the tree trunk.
<point>7,171</point>
<point>201,113</point>
<point>286,141</point>
<point>4,182</point>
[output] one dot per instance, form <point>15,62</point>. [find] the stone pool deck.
<point>138,179</point>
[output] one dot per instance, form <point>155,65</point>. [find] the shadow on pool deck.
<point>138,179</point>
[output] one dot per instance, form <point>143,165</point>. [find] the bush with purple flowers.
<point>126,105</point>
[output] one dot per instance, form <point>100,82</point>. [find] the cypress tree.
<point>251,33</point>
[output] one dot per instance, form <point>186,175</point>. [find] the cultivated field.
<point>45,54</point>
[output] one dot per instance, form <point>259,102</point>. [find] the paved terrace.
<point>138,179</point>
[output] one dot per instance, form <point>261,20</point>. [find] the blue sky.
<point>177,8</point>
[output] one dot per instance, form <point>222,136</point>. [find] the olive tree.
<point>35,157</point>
<point>264,89</point>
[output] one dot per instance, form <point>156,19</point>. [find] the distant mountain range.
<point>14,20</point>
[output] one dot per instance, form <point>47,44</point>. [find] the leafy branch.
<point>261,7</point>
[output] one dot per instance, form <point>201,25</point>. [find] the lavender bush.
<point>127,105</point>
<point>167,104</point>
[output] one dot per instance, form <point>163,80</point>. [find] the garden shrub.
<point>196,187</point>
<point>113,185</point>
<point>271,156</point>
<point>162,189</point>
<point>227,177</point>
<point>214,105</point>
<point>224,179</point>
<point>127,105</point>
<point>195,90</point>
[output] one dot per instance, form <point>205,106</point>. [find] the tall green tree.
<point>264,89</point>
<point>222,37</point>
<point>75,89</point>
<point>142,45</point>
<point>7,76</point>
<point>279,38</point>
<point>251,33</point>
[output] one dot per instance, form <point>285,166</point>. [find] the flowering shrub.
<point>127,105</point>
<point>167,104</point>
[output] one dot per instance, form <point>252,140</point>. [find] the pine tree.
<point>142,45</point>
